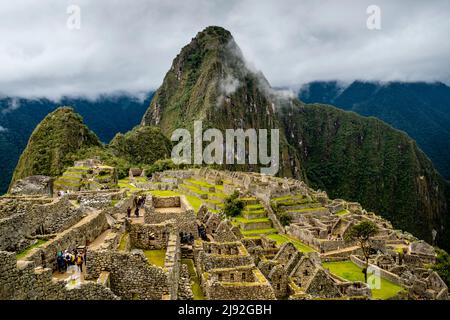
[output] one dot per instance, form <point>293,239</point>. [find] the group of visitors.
<point>138,203</point>
<point>68,258</point>
<point>202,232</point>
<point>186,238</point>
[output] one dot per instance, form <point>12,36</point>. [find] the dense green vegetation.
<point>364,160</point>
<point>209,81</point>
<point>106,115</point>
<point>420,109</point>
<point>142,145</point>
<point>233,206</point>
<point>442,266</point>
<point>55,139</point>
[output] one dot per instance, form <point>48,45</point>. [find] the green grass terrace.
<point>351,272</point>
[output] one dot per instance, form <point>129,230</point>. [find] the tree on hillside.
<point>233,205</point>
<point>363,233</point>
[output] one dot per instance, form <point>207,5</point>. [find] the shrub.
<point>233,205</point>
<point>285,219</point>
<point>442,266</point>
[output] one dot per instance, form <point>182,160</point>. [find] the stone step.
<point>301,206</point>
<point>203,186</point>
<point>254,214</point>
<point>253,207</point>
<point>250,200</point>
<point>309,211</point>
<point>191,191</point>
<point>255,224</point>
<point>258,232</point>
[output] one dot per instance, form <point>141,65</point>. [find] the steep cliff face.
<point>349,156</point>
<point>365,160</point>
<point>61,134</point>
<point>210,81</point>
<point>421,109</point>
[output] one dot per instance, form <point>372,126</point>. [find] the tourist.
<point>129,212</point>
<point>60,261</point>
<point>67,258</point>
<point>136,212</point>
<point>79,262</point>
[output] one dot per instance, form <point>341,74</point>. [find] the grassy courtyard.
<point>351,272</point>
<point>156,257</point>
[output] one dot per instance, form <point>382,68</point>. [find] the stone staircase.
<point>211,195</point>
<point>298,205</point>
<point>71,179</point>
<point>253,221</point>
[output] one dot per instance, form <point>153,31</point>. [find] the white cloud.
<point>130,45</point>
<point>3,129</point>
<point>13,104</point>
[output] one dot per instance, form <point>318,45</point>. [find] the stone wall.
<point>150,236</point>
<point>214,255</point>
<point>172,264</point>
<point>87,230</point>
<point>23,281</point>
<point>166,202</point>
<point>383,273</point>
<point>38,219</point>
<point>177,209</point>
<point>254,287</point>
<point>131,276</point>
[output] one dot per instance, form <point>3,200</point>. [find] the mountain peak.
<point>214,33</point>
<point>61,133</point>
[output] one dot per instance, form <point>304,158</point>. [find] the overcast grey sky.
<point>129,45</point>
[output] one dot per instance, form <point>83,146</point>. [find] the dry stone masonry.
<point>178,237</point>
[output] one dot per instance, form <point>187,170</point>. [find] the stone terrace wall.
<point>87,230</point>
<point>258,290</point>
<point>185,219</point>
<point>166,202</point>
<point>383,273</point>
<point>131,276</point>
<point>40,219</point>
<point>150,236</point>
<point>223,255</point>
<point>59,215</point>
<point>22,281</point>
<point>172,263</point>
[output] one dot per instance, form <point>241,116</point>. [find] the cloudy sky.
<point>129,45</point>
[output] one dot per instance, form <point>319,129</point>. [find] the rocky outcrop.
<point>34,185</point>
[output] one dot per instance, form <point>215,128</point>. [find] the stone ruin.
<point>36,223</point>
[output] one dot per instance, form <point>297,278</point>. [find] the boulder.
<point>421,248</point>
<point>33,185</point>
